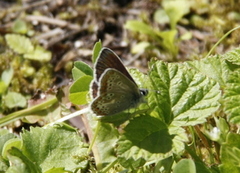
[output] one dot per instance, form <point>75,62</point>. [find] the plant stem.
<point>219,41</point>
<point>109,166</point>
<point>94,137</point>
<point>25,112</point>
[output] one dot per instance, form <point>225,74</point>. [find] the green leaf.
<point>186,36</point>
<point>202,167</point>
<point>14,142</point>
<point>3,87</point>
<point>3,165</point>
<point>166,164</point>
<point>229,153</point>
<point>138,26</point>
<point>186,97</point>
<point>20,26</point>
<point>140,47</point>
<point>161,16</point>
<point>54,147</point>
<point>5,135</point>
<point>81,69</point>
<point>116,119</point>
<point>233,56</point>
<point>223,126</point>
<point>144,136</point>
<point>180,138</point>
<point>141,79</point>
<point>7,76</point>
<point>214,67</point>
<point>175,10</point>
<point>103,149</point>
<point>13,99</point>
<point>154,137</point>
<point>169,41</point>
<point>39,54</point>
<point>231,97</point>
<point>79,90</point>
<point>19,43</point>
<point>185,166</point>
<point>96,49</point>
<point>28,70</point>
<point>58,170</point>
<point>5,80</point>
<point>219,132</point>
<point>20,163</point>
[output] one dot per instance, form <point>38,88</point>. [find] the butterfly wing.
<point>116,94</point>
<point>108,59</point>
<point>94,89</point>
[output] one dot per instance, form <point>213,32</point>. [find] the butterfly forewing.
<point>116,94</point>
<point>108,59</point>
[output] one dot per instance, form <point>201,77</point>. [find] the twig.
<point>23,8</point>
<point>72,115</point>
<point>51,33</point>
<point>35,4</point>
<point>60,38</point>
<point>58,22</point>
<point>26,112</point>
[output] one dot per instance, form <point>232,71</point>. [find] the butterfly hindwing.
<point>116,93</point>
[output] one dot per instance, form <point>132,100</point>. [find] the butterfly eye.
<point>144,92</point>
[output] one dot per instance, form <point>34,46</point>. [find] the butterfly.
<point>113,88</point>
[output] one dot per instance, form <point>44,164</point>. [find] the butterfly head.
<point>144,92</point>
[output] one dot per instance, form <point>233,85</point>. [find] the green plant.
<point>52,149</point>
<point>188,124</point>
<point>158,40</point>
<point>19,68</point>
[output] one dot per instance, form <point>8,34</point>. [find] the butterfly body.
<point>113,88</point>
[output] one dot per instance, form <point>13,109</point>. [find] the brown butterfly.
<point>113,88</point>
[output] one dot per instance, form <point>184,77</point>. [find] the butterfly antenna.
<point>156,91</point>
